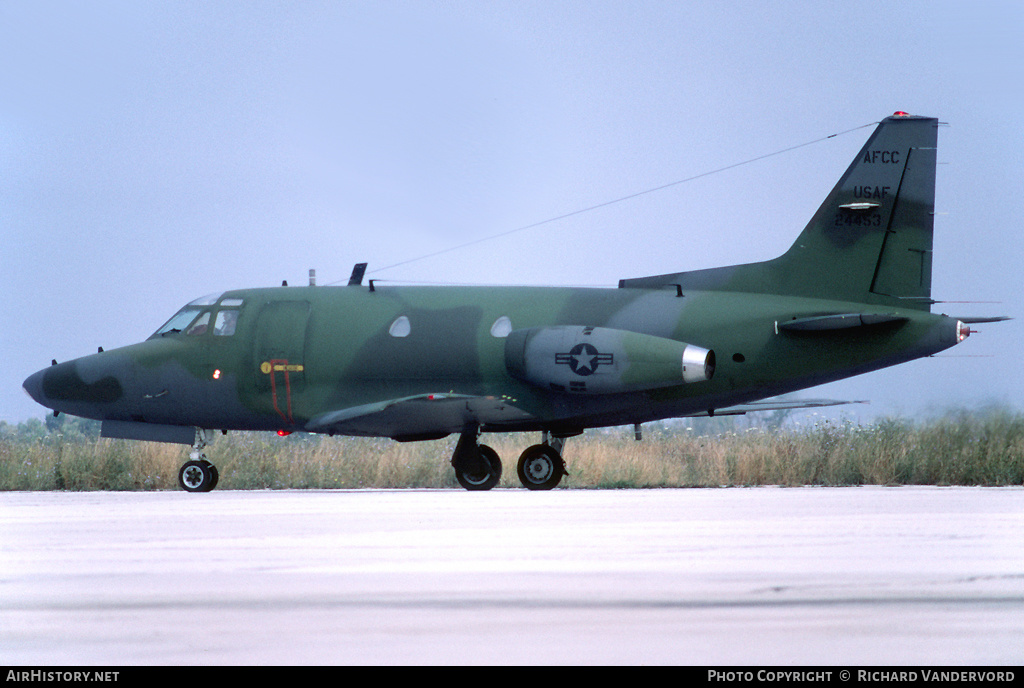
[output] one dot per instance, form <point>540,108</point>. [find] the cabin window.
<point>224,326</point>
<point>501,327</point>
<point>200,326</point>
<point>401,327</point>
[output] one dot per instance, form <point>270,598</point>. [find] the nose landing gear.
<point>198,474</point>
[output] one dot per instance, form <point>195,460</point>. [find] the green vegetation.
<point>958,448</point>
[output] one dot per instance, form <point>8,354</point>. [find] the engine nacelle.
<point>601,360</point>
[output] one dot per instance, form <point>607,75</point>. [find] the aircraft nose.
<point>33,386</point>
<point>81,387</point>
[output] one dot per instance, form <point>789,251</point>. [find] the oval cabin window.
<point>401,327</point>
<point>501,327</point>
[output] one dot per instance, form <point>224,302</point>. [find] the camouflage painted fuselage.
<point>299,353</point>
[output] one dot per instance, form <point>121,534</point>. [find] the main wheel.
<point>198,476</point>
<point>540,468</point>
<point>482,479</point>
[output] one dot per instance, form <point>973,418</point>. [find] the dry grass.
<point>984,448</point>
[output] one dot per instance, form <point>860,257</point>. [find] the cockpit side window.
<point>200,326</point>
<point>225,324</point>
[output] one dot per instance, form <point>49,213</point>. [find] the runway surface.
<point>775,576</point>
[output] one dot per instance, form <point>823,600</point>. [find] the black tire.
<point>540,468</point>
<point>478,481</point>
<point>216,476</point>
<point>198,476</point>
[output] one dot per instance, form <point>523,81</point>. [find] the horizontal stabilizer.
<point>775,404</point>
<point>982,320</point>
<point>840,321</point>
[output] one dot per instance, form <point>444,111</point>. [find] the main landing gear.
<point>198,474</point>
<point>478,467</point>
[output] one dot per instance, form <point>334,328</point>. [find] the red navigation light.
<point>283,433</point>
<point>900,113</point>
<point>963,330</point>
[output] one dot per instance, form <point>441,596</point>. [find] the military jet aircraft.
<point>852,295</point>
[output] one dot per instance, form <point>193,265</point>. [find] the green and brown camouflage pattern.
<point>422,362</point>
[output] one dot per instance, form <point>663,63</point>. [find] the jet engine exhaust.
<point>698,364</point>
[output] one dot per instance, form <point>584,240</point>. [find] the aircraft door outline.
<point>279,355</point>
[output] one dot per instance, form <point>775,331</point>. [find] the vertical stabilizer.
<point>869,242</point>
<point>872,237</point>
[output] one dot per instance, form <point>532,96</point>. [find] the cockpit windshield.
<point>179,322</point>
<point>194,318</point>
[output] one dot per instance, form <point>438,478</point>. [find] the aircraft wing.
<point>774,404</point>
<point>422,416</point>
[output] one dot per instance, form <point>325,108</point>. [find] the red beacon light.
<point>900,113</point>
<point>283,433</point>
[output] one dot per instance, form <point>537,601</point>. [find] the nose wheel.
<point>198,475</point>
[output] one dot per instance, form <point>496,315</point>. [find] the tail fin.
<point>869,242</point>
<point>873,234</point>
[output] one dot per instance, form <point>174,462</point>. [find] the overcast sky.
<point>154,152</point>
